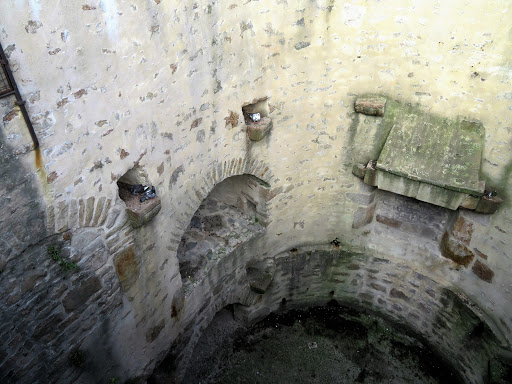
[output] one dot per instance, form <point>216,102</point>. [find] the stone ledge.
<point>127,268</point>
<point>359,170</point>
<point>258,130</point>
<point>138,213</point>
<point>139,216</point>
<point>433,194</point>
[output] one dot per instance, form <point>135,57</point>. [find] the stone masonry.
<point>163,89</point>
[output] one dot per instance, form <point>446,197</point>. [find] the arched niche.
<point>234,212</point>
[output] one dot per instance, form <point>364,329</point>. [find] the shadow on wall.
<point>22,214</point>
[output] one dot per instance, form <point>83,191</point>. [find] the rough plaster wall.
<point>111,84</point>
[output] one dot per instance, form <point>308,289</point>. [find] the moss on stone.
<point>432,149</point>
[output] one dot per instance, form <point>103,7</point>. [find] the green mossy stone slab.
<point>434,150</point>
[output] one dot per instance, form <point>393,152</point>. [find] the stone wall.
<point>160,85</point>
<point>447,320</point>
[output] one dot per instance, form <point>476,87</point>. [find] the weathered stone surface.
<point>312,148</point>
<point>470,202</point>
<point>488,204</point>
<point>259,280</point>
<point>127,268</point>
<point>370,105</point>
<point>153,332</point>
<point>420,191</point>
<point>30,280</point>
<point>80,294</point>
<point>359,170</point>
<point>455,250</point>
<point>363,216</point>
<point>257,130</point>
<point>370,176</point>
<point>143,213</point>
<point>47,328</point>
<point>389,221</point>
<point>483,271</point>
<point>432,159</point>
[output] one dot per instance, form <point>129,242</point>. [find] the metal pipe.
<point>19,100</point>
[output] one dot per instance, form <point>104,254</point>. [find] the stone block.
<point>48,327</point>
<point>421,191</point>
<point>153,332</point>
<point>140,214</point>
<point>488,204</point>
<point>127,268</point>
<point>370,176</point>
<point>178,302</point>
<point>258,129</point>
<point>440,196</point>
<point>483,271</point>
<point>89,211</point>
<point>398,294</point>
<point>260,275</point>
<point>259,281</point>
<point>389,221</point>
<point>455,250</point>
<point>99,209</point>
<point>363,216</point>
<point>370,105</point>
<point>470,202</point>
<point>361,198</point>
<point>30,280</point>
<point>435,151</point>
<point>462,229</point>
<point>79,295</point>
<point>456,239</point>
<point>359,170</point>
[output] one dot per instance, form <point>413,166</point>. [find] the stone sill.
<point>139,213</point>
<point>259,129</point>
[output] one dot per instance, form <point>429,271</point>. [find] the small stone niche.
<point>139,213</point>
<point>257,129</point>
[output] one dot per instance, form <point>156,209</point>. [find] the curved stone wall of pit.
<point>424,305</point>
<point>445,318</point>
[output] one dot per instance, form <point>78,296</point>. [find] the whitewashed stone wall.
<point>160,84</point>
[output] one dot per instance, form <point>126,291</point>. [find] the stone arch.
<point>232,213</point>
<point>217,172</point>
